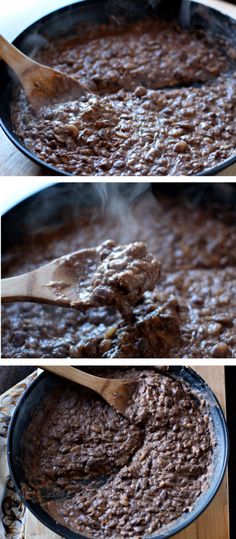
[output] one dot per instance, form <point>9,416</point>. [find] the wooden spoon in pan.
<point>105,275</point>
<point>42,85</point>
<point>116,392</point>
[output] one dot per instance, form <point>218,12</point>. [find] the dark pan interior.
<point>68,19</point>
<point>57,205</point>
<point>45,382</point>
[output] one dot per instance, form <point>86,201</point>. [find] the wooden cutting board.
<point>14,163</point>
<point>214,522</point>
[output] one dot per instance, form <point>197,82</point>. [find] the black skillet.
<point>42,386</point>
<point>67,21</point>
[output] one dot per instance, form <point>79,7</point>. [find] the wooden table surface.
<point>213,523</point>
<point>13,163</point>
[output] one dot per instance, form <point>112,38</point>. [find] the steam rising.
<point>115,198</point>
<point>115,210</point>
<point>66,202</point>
<point>116,201</point>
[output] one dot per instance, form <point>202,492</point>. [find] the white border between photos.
<point>135,362</point>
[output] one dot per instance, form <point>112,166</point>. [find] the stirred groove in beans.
<point>104,475</point>
<point>163,102</point>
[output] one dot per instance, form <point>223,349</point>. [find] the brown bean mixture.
<point>105,476</point>
<point>123,275</point>
<point>163,102</point>
<point>190,313</point>
<point>109,274</point>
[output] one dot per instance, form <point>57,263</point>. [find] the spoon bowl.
<point>116,392</point>
<point>57,282</point>
<point>43,85</point>
<point>109,274</point>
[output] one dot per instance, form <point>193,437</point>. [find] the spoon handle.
<point>15,288</point>
<point>83,378</point>
<point>28,287</point>
<point>14,58</point>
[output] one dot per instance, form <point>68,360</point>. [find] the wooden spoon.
<point>89,278</point>
<point>116,392</point>
<point>65,281</point>
<point>42,85</point>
